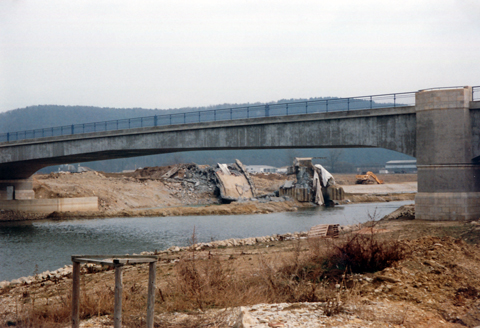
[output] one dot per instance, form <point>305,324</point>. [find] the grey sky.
<point>176,53</point>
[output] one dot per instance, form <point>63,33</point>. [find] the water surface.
<point>47,245</point>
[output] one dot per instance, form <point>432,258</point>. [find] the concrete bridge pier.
<point>16,189</point>
<point>448,179</point>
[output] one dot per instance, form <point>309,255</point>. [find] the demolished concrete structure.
<point>313,184</point>
<point>234,182</point>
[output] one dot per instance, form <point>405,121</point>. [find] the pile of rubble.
<point>200,178</point>
<point>230,182</point>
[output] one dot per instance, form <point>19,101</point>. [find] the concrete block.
<point>24,194</point>
<point>10,193</point>
<point>447,206</point>
<point>80,204</point>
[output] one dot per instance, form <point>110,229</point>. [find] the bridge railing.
<point>226,114</point>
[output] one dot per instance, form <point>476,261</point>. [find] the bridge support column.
<point>448,180</point>
<point>16,189</point>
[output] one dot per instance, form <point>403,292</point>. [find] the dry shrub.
<point>364,253</point>
<point>206,283</point>
<point>299,278</point>
<point>203,283</point>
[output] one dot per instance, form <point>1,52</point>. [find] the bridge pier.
<point>448,179</point>
<point>16,189</point>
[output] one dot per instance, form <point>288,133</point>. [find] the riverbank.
<point>275,205</point>
<point>434,283</point>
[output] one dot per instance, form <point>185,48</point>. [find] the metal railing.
<point>226,114</point>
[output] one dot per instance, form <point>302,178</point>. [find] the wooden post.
<point>117,313</point>
<point>151,293</point>
<point>76,295</point>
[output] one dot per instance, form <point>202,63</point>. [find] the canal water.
<point>36,246</point>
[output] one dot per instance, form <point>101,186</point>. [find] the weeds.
<point>200,282</point>
<point>365,253</point>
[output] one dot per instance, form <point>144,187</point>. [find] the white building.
<point>261,169</point>
<point>406,166</point>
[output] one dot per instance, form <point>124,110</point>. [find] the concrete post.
<point>448,180</point>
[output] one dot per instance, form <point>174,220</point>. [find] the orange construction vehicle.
<point>367,178</point>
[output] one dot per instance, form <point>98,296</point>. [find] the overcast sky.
<point>176,53</point>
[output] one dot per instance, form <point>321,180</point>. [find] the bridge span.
<point>442,130</point>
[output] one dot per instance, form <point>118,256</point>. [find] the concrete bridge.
<point>442,130</point>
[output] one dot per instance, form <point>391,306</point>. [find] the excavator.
<point>368,178</point>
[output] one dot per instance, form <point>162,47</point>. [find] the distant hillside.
<point>44,116</point>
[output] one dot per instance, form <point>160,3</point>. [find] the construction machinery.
<point>367,178</point>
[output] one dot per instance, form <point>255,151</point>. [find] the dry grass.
<point>312,274</point>
<point>97,302</point>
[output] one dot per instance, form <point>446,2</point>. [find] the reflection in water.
<point>49,244</point>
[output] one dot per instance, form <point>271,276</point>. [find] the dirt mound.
<point>439,274</point>
<point>114,193</point>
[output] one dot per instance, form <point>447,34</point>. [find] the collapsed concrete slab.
<point>313,184</point>
<point>234,182</point>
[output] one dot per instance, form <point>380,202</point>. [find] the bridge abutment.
<point>16,189</point>
<point>448,179</point>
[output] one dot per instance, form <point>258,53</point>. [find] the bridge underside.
<point>24,170</point>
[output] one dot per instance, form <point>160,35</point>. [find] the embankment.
<point>224,209</point>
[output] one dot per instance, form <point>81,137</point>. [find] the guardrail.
<point>226,114</point>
